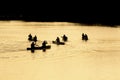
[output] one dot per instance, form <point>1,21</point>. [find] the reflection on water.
<point>96,59</point>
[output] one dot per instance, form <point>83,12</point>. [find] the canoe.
<point>40,48</point>
<point>58,43</point>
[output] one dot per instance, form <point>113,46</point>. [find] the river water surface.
<point>95,59</point>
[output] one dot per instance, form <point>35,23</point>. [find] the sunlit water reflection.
<point>95,59</point>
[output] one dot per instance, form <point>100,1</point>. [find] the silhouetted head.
<point>45,41</point>
<point>32,42</point>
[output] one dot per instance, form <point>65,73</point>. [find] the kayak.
<point>58,43</point>
<point>39,48</point>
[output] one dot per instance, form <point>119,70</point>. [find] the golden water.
<point>96,59</point>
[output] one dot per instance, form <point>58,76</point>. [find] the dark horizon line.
<point>89,20</point>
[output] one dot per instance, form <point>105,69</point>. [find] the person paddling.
<point>30,37</point>
<point>86,37</point>
<point>35,38</point>
<point>83,36</point>
<point>65,38</point>
<point>44,43</point>
<point>32,45</point>
<point>57,39</point>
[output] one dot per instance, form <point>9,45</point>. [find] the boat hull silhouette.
<point>58,43</point>
<point>39,48</point>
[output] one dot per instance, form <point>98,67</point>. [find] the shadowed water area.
<point>95,59</point>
